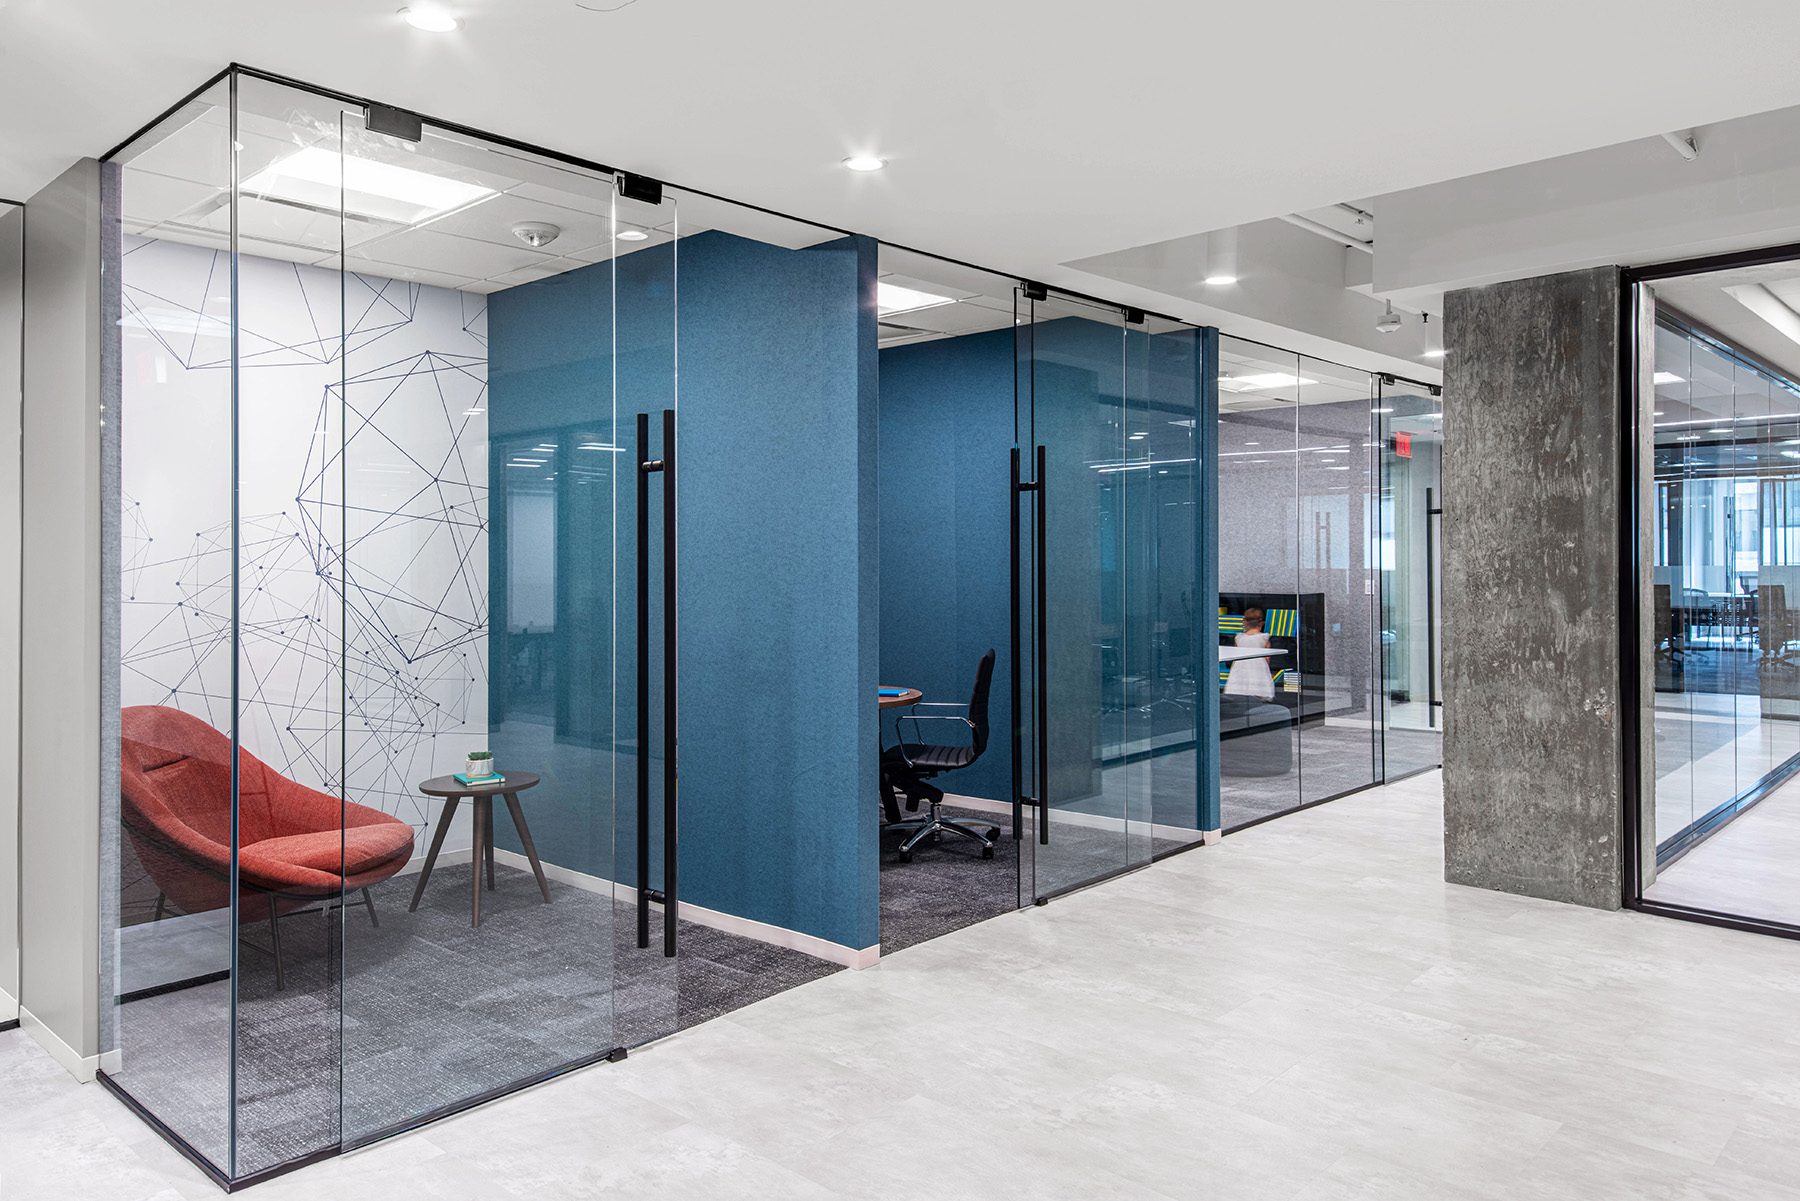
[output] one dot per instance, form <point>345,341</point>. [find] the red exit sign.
<point>1403,445</point>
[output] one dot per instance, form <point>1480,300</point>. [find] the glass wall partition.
<point>1106,420</point>
<point>409,439</point>
<point>1719,412</point>
<point>1261,659</point>
<point>1309,581</point>
<point>1409,522</point>
<point>1340,747</point>
<point>12,332</point>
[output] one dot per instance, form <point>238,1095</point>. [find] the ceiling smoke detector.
<point>1389,321</point>
<point>536,233</point>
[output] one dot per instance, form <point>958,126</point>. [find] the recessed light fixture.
<point>892,298</point>
<point>1666,377</point>
<point>324,179</point>
<point>1381,410</point>
<point>1435,354</point>
<point>1790,454</point>
<point>1220,281</point>
<point>1253,444</point>
<point>1657,413</point>
<point>430,18</point>
<point>1718,431</point>
<point>1255,383</point>
<point>631,235</point>
<point>865,162</point>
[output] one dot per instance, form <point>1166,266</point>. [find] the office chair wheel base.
<point>993,831</point>
<point>906,856</point>
<point>987,852</point>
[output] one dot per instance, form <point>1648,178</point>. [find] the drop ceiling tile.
<point>150,199</point>
<point>492,220</point>
<point>411,275</point>
<point>469,258</point>
<point>601,251</point>
<point>533,273</point>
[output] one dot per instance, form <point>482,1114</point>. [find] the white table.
<point>1231,654</point>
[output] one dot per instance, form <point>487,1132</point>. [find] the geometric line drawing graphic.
<point>361,548</point>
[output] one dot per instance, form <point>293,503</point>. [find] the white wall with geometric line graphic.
<point>362,511</point>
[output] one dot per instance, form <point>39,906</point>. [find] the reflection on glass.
<point>1720,620</point>
<point>168,1023</point>
<point>1262,702</point>
<point>1326,580</point>
<point>1411,437</point>
<point>1339,750</point>
<point>12,304</point>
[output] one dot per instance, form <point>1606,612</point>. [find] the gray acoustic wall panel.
<point>1532,488</point>
<point>59,667</point>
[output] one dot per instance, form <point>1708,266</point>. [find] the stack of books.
<point>477,781</point>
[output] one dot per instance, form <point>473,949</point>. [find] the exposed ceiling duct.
<point>1366,245</point>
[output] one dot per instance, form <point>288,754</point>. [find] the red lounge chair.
<point>296,845</point>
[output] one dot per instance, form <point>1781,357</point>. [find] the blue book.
<point>478,780</point>
<point>891,691</point>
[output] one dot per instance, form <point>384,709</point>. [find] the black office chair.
<point>911,765</point>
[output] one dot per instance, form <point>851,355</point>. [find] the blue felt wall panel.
<point>946,437</point>
<point>778,586</point>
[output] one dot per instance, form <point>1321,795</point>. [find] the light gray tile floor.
<point>1305,1011</point>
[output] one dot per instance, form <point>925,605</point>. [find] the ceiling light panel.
<point>1262,381</point>
<point>385,191</point>
<point>894,298</point>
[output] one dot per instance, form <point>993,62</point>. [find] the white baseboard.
<point>729,923</point>
<point>82,1067</point>
<point>1211,837</point>
<point>9,1006</point>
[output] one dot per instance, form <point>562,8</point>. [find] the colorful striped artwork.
<point>1281,623</point>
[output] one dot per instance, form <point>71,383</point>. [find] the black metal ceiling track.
<point>1733,260</point>
<point>14,203</point>
<point>167,113</point>
<point>1131,313</point>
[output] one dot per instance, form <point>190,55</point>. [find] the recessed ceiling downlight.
<point>430,18</point>
<point>631,235</point>
<point>865,162</point>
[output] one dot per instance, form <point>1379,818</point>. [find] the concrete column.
<point>1533,441</point>
<point>59,669</point>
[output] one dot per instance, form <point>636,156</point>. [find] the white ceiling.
<point>1023,136</point>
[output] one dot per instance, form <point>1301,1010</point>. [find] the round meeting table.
<point>904,699</point>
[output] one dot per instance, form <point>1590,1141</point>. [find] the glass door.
<point>1410,434</point>
<point>1106,621</point>
<point>1070,436</point>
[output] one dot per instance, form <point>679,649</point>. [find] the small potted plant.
<point>480,763</point>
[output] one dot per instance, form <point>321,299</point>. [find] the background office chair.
<point>911,765</point>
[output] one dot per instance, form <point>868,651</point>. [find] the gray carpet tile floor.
<point>433,1011</point>
<point>381,1024</point>
<point>948,885</point>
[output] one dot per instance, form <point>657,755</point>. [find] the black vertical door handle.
<point>666,467</point>
<point>645,467</point>
<point>1043,652</point>
<point>1018,716</point>
<point>671,616</point>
